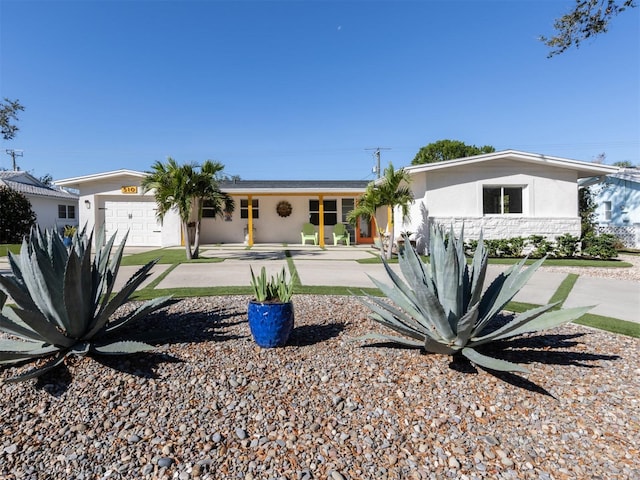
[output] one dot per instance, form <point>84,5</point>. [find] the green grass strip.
<point>614,325</point>
<point>9,247</point>
<point>292,269</point>
<point>608,324</point>
<point>149,293</point>
<point>165,255</point>
<point>563,291</point>
<point>156,281</point>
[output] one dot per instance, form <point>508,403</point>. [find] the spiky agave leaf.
<point>36,372</point>
<point>122,348</point>
<point>15,351</point>
<point>492,363</point>
<point>534,323</point>
<point>418,298</point>
<point>109,306</point>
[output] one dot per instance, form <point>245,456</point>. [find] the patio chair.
<point>340,233</point>
<point>309,233</point>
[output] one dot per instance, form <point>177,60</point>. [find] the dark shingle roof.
<point>331,185</point>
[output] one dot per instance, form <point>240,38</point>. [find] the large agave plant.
<point>442,307</point>
<point>64,301</point>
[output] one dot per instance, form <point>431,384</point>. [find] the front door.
<point>364,231</point>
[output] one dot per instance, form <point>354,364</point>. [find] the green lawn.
<point>13,248</point>
<point>165,256</point>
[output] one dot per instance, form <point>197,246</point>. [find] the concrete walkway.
<point>337,266</point>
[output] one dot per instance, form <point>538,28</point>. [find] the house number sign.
<point>129,189</point>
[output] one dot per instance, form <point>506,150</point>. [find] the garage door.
<point>138,218</point>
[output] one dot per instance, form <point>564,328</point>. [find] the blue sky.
<point>300,89</point>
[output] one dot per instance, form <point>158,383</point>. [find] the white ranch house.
<point>505,194</point>
<point>53,207</point>
<point>115,199</point>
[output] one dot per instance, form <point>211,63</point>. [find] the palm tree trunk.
<point>187,240</point>
<point>391,235</point>
<point>196,241</point>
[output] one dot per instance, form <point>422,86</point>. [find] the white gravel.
<point>211,404</point>
<point>621,273</point>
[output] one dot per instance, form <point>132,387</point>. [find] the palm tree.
<point>390,191</point>
<point>366,207</point>
<point>394,191</point>
<point>186,188</point>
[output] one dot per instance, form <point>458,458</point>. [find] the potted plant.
<point>67,235</point>
<point>271,311</point>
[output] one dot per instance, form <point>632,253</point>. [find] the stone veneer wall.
<point>507,227</point>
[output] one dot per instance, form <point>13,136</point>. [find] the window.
<point>244,208</point>
<point>348,204</point>
<point>607,211</point>
<point>330,212</point>
<point>66,211</point>
<point>208,209</point>
<point>501,200</point>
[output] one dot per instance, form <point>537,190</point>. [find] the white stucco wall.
<point>454,196</point>
<point>269,226</point>
<point>101,190</point>
<point>548,192</point>
<point>46,210</point>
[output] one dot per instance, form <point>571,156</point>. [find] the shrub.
<point>567,245</point>
<point>541,246</point>
<point>16,216</point>
<point>65,303</point>
<point>600,246</point>
<point>442,308</point>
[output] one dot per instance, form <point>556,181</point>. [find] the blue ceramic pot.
<point>270,323</point>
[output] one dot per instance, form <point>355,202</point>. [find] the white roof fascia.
<point>584,168</point>
<point>99,176</point>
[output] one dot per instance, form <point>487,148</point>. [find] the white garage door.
<point>138,218</point>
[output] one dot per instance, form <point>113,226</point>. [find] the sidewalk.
<point>337,266</point>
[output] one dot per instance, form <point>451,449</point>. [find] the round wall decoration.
<point>284,208</point>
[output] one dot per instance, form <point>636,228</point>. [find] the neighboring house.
<point>617,199</point>
<point>279,209</point>
<point>504,194</point>
<point>53,207</point>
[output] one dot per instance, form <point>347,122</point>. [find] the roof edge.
<point>98,176</point>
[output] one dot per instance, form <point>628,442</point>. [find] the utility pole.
<point>13,154</point>
<point>376,153</point>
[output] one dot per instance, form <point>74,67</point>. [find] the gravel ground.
<point>628,273</point>
<point>210,404</point>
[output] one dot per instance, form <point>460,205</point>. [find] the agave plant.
<point>64,301</point>
<point>442,308</point>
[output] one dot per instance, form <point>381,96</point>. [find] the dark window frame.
<point>503,199</point>
<point>244,208</point>
<point>66,211</point>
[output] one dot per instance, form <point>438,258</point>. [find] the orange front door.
<point>364,231</point>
